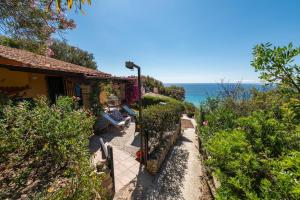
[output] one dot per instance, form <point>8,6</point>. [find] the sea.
<point>197,93</point>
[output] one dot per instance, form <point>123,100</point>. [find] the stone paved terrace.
<point>125,145</point>
<point>127,141</point>
<point>126,168</point>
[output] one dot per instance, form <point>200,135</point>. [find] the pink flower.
<point>205,123</point>
<point>33,4</point>
<point>49,52</point>
<point>76,98</point>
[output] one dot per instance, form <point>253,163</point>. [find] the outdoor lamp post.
<point>131,65</point>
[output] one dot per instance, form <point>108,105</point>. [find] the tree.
<point>276,64</point>
<point>68,3</point>
<point>30,20</point>
<point>62,51</point>
<point>150,83</point>
<point>175,92</point>
<point>18,43</point>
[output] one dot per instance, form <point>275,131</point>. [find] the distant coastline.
<point>197,93</point>
<point>258,83</point>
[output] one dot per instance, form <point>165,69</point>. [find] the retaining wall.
<point>155,162</point>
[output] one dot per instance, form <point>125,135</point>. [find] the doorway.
<point>55,88</point>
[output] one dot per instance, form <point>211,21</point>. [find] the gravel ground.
<point>181,176</point>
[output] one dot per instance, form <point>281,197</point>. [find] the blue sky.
<point>184,41</point>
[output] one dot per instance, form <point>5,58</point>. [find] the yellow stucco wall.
<point>36,83</point>
<point>85,90</point>
<point>102,95</point>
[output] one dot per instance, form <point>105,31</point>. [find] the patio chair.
<point>106,120</point>
<point>129,111</point>
<point>118,116</point>
<point>119,124</point>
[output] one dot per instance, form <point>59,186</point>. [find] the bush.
<point>3,101</point>
<point>49,146</point>
<point>190,109</point>
<point>253,141</point>
<point>149,83</point>
<point>149,100</point>
<point>175,92</point>
<point>158,119</point>
<point>253,145</point>
<point>246,173</point>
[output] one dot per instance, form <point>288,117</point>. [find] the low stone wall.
<point>107,183</point>
<point>211,179</point>
<point>154,163</point>
<point>106,177</point>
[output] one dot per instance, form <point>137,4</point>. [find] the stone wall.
<point>107,183</point>
<point>106,176</point>
<point>155,162</point>
<point>210,177</point>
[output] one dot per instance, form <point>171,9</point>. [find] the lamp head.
<point>129,65</point>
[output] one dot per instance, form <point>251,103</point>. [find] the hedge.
<point>190,109</point>
<point>187,107</point>
<point>175,92</point>
<point>149,100</point>
<point>159,119</point>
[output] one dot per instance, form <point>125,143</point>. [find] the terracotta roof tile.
<point>35,61</point>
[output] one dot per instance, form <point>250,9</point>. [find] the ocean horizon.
<point>197,93</point>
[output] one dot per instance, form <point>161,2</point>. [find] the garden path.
<point>181,176</point>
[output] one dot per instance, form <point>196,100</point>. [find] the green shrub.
<point>149,100</point>
<point>253,145</point>
<point>215,116</point>
<point>245,173</point>
<point>158,119</point>
<point>175,92</point>
<point>190,109</point>
<point>47,144</point>
<point>3,101</point>
<point>96,106</point>
<point>149,83</point>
